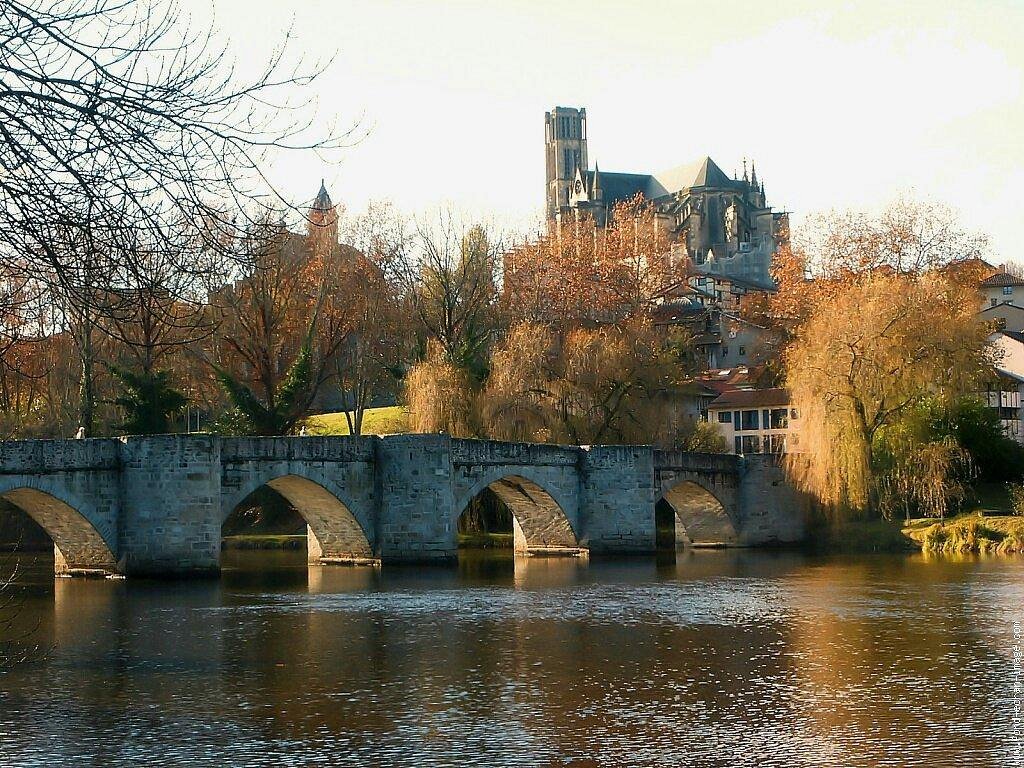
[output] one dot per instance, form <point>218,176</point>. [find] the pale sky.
<point>841,104</point>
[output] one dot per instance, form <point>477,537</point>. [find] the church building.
<point>719,225</point>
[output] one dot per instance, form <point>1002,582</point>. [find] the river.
<point>721,658</point>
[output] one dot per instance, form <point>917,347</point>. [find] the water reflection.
<point>710,658</point>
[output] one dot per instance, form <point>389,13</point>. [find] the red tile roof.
<point>1001,278</point>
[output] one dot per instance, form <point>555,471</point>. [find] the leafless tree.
<point>130,153</point>
<point>451,281</point>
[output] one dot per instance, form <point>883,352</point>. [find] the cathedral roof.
<point>700,173</point>
<point>620,186</point>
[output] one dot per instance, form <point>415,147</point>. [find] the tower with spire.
<point>322,220</point>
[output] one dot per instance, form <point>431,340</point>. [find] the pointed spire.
<point>322,201</point>
<point>595,187</point>
<point>745,177</point>
<point>753,174</point>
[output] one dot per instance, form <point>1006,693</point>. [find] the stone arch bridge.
<point>155,505</point>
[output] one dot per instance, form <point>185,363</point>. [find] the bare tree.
<point>452,285</point>
<point>132,136</point>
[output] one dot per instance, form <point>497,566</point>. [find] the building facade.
<point>1004,392</point>
<point>719,225</point>
<point>756,420</point>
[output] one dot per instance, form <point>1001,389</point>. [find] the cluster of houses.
<point>754,419</point>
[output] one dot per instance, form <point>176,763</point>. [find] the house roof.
<point>726,379</point>
<point>742,282</point>
<point>751,398</point>
<point>668,314</point>
<point>1001,307</point>
<point>1000,279</point>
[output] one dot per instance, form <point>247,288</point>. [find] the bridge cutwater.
<point>155,505</point>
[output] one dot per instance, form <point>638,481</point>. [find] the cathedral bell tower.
<point>565,152</point>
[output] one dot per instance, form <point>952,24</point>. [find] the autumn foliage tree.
<point>610,384</point>
<point>871,350</point>
<point>578,273</point>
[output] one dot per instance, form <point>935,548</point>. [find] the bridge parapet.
<point>723,463</point>
<point>341,449</point>
<point>488,452</point>
<point>40,457</point>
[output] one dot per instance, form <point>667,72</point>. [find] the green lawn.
<point>376,421</point>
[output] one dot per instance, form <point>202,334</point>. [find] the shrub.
<point>1016,498</point>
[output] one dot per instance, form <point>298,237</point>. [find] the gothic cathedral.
<point>719,225</point>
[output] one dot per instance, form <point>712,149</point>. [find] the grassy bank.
<point>968,534</point>
<point>263,542</point>
<point>376,421</point>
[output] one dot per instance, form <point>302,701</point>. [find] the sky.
<point>840,104</point>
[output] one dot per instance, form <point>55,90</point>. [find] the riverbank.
<point>971,533</point>
<point>263,541</point>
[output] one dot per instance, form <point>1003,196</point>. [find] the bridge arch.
<point>540,521</point>
<point>700,518</point>
<point>78,545</point>
<point>334,531</point>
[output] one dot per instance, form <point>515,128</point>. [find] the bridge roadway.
<point>155,505</point>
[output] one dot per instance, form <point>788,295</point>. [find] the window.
<point>738,445</point>
<point>724,417</point>
<point>743,350</point>
<point>750,444</point>
<point>725,351</point>
<point>994,302</point>
<point>1007,290</point>
<point>748,420</point>
<point>1001,323</point>
<point>779,418</point>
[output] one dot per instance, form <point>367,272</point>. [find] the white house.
<point>756,420</point>
<point>1005,391</point>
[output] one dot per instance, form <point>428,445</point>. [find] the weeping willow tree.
<point>612,384</point>
<point>873,348</point>
<point>440,396</point>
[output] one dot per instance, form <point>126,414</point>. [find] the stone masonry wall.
<point>155,505</point>
<point>772,511</point>
<point>618,497</point>
<point>415,492</point>
<point>170,491</point>
<point>72,489</point>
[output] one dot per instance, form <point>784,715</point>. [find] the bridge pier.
<point>414,522</point>
<point>170,512</point>
<point>618,499</point>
